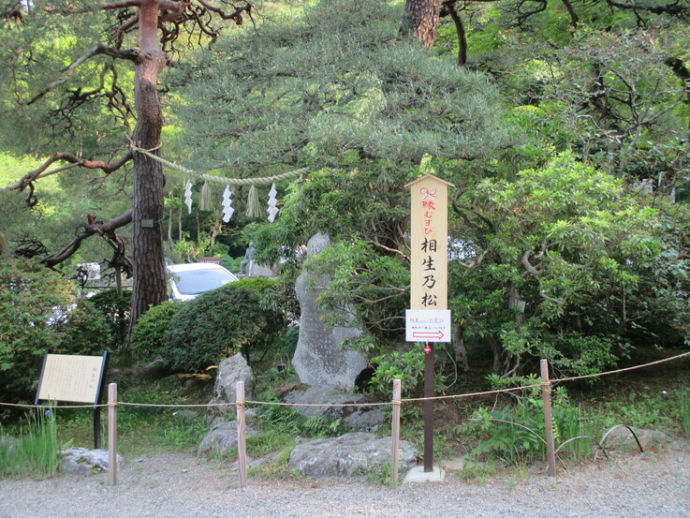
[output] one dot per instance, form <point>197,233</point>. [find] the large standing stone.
<point>348,455</point>
<point>320,358</point>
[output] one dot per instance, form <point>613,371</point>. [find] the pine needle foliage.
<point>305,89</point>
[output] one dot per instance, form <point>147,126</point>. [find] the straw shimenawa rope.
<point>264,180</point>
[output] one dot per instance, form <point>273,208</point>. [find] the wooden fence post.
<point>112,434</point>
<point>241,434</point>
<point>548,420</point>
<point>395,432</point>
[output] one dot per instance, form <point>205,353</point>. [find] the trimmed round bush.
<point>149,333</point>
<point>239,317</point>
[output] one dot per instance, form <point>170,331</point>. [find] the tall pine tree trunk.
<point>421,20</point>
<point>147,212</point>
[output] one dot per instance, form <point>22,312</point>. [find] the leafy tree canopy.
<point>565,263</point>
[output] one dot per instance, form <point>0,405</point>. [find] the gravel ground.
<point>182,486</point>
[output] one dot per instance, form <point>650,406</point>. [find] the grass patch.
<point>34,453</point>
<point>279,467</point>
<point>140,429</point>
<point>267,442</point>
<point>478,472</point>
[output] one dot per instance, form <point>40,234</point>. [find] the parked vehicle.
<point>187,281</point>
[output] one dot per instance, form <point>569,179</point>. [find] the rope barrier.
<point>617,371</point>
<point>359,405</point>
<point>333,405</point>
<point>175,405</point>
<point>472,394</point>
<point>87,405</point>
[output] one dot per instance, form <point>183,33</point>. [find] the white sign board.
<point>427,325</point>
<point>71,378</point>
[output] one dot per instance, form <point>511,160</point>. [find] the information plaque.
<point>72,378</point>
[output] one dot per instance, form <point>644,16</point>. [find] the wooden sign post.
<point>428,319</point>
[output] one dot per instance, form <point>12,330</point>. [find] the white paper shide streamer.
<point>272,203</point>
<point>228,211</point>
<point>188,196</point>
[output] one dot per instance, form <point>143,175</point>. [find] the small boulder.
<point>366,418</point>
<point>230,371</point>
<point>82,461</point>
<point>348,455</point>
<point>221,438</point>
<point>620,437</point>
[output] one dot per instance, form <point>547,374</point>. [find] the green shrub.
<point>515,434</point>
<point>237,317</point>
<point>149,335</point>
<point>407,366</point>
<point>85,332</point>
<point>115,308</point>
<point>29,294</point>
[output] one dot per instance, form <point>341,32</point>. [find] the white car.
<point>187,281</point>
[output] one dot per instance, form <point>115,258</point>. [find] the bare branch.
<point>42,171</point>
<point>474,262</point>
<point>574,18</point>
<point>459,209</point>
<point>449,7</point>
<point>93,227</point>
<point>534,272</point>
<point>235,16</point>
<point>378,244</point>
<point>67,73</point>
<point>121,5</point>
<point>543,295</point>
<point>672,8</point>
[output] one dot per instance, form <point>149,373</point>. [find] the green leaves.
<point>30,295</point>
<point>576,260</point>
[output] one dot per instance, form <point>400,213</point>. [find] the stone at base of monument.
<point>417,474</point>
<point>367,418</point>
<point>348,455</point>
<point>230,371</point>
<point>81,461</point>
<point>221,438</point>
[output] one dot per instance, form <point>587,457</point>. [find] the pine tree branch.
<point>42,171</point>
<point>93,227</point>
<point>68,72</point>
